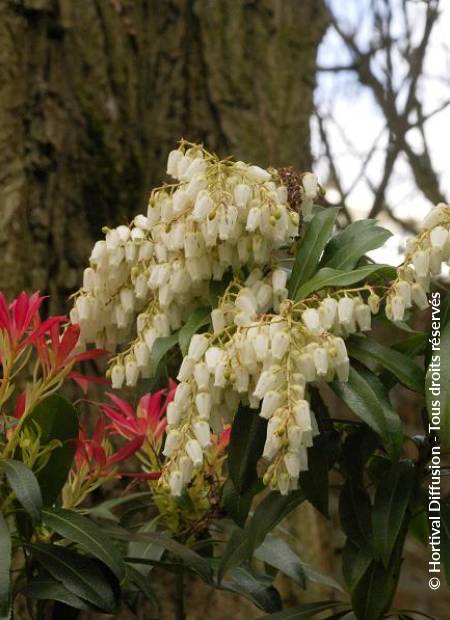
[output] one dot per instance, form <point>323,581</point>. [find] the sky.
<point>357,121</point>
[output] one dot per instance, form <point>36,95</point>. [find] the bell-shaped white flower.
<point>176,483</point>
<point>197,346</point>
<point>242,194</point>
<point>182,395</point>
<point>320,358</point>
<point>280,345</point>
<point>311,319</point>
<point>186,369</point>
<point>202,432</point>
<point>173,440</point>
<point>173,414</point>
<point>195,452</point>
<point>421,262</point>
<point>203,403</point>
<point>255,173</point>
<point>272,401</point>
<point>419,296</point>
<point>117,376</point>
<point>363,317</point>
<point>292,463</point>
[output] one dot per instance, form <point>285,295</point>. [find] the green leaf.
<point>302,612</point>
<point>57,420</point>
<point>24,484</point>
<point>412,346</point>
<point>373,594</point>
<point>277,553</point>
<point>248,435</point>
<point>310,248</point>
<point>345,249</point>
<point>366,396</point>
<point>391,502</point>
<point>272,509</point>
<point>148,550</point>
<point>243,542</point>
<point>405,369</point>
<point>199,318</point>
<point>193,560</point>
<point>161,347</point>
<point>46,588</point>
<point>355,562</point>
<point>141,581</point>
<point>78,574</point>
<point>314,481</point>
<point>237,505</point>
<point>329,278</point>
<point>354,513</point>
<point>256,588</point>
<point>88,535</point>
<point>5,565</point>
<point>437,389</point>
<point>104,509</point>
<point>237,550</point>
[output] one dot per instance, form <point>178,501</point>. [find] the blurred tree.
<point>96,92</point>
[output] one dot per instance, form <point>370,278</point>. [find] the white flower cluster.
<point>219,215</point>
<point>265,361</point>
<point>424,257</point>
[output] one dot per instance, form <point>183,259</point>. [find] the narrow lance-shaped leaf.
<point>391,502</point>
<point>79,574</point>
<point>256,588</point>
<point>310,248</point>
<point>56,419</point>
<point>277,553</point>
<point>345,249</point>
<point>248,434</point>
<point>329,278</point>
<point>24,484</point>
<point>405,369</point>
<point>354,513</point>
<point>48,589</point>
<point>366,396</point>
<point>88,535</point>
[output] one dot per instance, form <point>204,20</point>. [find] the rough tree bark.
<point>94,93</point>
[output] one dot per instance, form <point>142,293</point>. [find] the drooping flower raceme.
<point>146,278</point>
<point>265,360</point>
<point>424,257</point>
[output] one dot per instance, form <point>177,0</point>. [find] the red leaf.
<point>126,451</point>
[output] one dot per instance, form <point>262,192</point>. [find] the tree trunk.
<point>94,94</point>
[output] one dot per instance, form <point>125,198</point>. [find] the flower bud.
<point>195,452</point>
